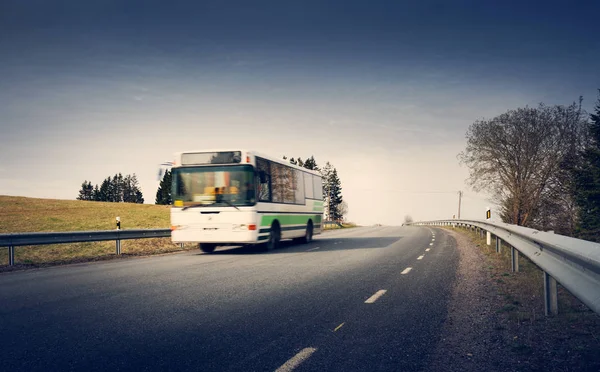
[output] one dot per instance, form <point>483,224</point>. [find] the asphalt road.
<point>347,301</point>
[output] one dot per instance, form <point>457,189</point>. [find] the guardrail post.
<point>498,245</point>
<point>118,246</point>
<point>550,295</point>
<point>11,255</point>
<point>514,259</point>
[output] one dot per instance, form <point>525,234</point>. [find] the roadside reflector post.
<point>550,295</point>
<point>488,215</point>
<point>11,255</point>
<point>514,259</point>
<point>498,245</point>
<point>118,246</point>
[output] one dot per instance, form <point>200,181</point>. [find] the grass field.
<point>20,214</point>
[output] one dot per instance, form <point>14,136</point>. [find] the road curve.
<point>370,298</point>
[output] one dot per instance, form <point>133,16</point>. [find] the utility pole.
<point>459,199</point>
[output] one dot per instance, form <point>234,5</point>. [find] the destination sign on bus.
<point>202,158</point>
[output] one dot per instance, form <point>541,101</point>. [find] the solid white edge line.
<point>406,271</point>
<point>374,298</point>
<point>313,249</point>
<point>420,257</point>
<point>296,360</point>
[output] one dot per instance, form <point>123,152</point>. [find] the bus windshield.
<point>221,186</point>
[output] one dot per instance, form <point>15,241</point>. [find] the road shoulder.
<point>479,334</point>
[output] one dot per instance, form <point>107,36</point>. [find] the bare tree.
<point>519,157</point>
<point>408,219</point>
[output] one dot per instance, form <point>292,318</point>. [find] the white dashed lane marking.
<point>374,298</point>
<point>406,271</point>
<point>294,362</point>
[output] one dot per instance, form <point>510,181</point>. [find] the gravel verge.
<point>495,320</point>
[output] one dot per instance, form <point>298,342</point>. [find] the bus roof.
<point>253,153</point>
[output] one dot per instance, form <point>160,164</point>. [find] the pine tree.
<point>310,163</point>
<point>163,194</point>
<point>139,198</point>
<point>134,190</point>
<point>104,194</point>
<point>300,162</point>
<point>326,172</point>
<point>86,191</point>
<point>96,193</point>
<point>335,196</point>
<point>128,192</point>
<point>587,182</point>
<point>117,188</point>
<point>293,161</point>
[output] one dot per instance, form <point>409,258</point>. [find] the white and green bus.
<point>238,197</point>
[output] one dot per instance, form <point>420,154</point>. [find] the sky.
<point>383,90</point>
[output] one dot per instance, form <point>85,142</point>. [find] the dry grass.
<point>20,214</point>
<point>335,227</point>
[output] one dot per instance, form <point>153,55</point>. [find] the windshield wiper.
<point>192,206</point>
<point>230,204</point>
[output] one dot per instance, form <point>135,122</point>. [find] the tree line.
<point>542,166</point>
<point>335,207</point>
<point>117,189</point>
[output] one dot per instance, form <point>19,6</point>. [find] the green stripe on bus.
<point>290,219</point>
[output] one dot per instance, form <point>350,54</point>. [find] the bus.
<point>239,197</point>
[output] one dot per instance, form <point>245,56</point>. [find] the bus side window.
<point>318,187</point>
<point>264,180</point>
<point>308,185</point>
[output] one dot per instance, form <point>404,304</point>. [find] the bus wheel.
<point>207,247</point>
<point>309,233</point>
<point>274,237</point>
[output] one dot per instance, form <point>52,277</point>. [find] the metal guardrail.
<point>573,263</point>
<point>43,238</point>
